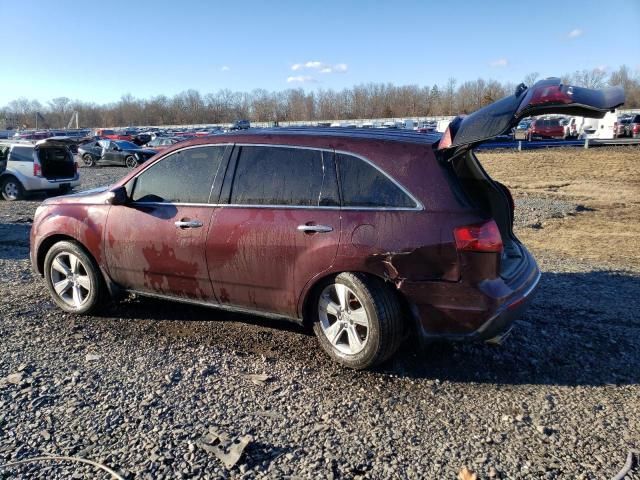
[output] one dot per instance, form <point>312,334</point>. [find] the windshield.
<point>126,145</point>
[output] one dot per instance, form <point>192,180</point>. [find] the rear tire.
<point>73,278</point>
<point>131,162</point>
<point>88,160</point>
<point>11,189</point>
<point>357,319</point>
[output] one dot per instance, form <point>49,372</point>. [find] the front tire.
<point>73,278</point>
<point>131,162</point>
<point>358,320</point>
<point>88,160</point>
<point>11,189</point>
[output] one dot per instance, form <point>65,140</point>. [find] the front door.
<point>277,229</point>
<point>156,242</point>
<point>111,153</point>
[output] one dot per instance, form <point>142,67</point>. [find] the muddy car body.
<point>365,234</point>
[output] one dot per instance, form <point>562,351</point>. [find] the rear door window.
<point>21,154</point>
<point>182,177</point>
<point>284,176</point>
<point>363,185</point>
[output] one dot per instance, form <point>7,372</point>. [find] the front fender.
<point>82,223</point>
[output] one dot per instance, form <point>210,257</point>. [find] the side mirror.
<point>117,196</point>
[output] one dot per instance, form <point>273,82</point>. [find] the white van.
<point>602,128</point>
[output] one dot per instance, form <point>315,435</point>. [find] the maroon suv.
<point>546,128</point>
<point>367,235</point>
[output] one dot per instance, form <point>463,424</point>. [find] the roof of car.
<point>398,135</point>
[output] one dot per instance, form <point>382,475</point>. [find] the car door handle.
<point>188,224</point>
<point>315,228</point>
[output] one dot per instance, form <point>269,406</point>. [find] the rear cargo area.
<point>57,163</point>
<point>494,200</point>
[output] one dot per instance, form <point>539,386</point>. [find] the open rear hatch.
<point>56,160</point>
<point>455,149</point>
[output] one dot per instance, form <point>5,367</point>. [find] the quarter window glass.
<point>22,154</point>
<point>365,186</point>
<point>182,177</point>
<point>283,176</point>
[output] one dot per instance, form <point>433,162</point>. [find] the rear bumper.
<point>39,183</point>
<point>459,311</point>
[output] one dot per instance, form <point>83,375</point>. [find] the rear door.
<point>277,226</point>
<point>21,160</point>
<point>156,242</point>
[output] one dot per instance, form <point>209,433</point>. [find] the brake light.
<point>552,94</point>
<point>37,169</point>
<point>481,237</point>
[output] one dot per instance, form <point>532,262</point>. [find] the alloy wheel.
<point>70,279</point>
<point>343,319</point>
<point>11,190</point>
<point>131,162</point>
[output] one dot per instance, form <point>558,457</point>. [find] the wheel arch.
<point>311,289</point>
<point>49,242</point>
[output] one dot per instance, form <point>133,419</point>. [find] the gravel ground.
<point>140,387</point>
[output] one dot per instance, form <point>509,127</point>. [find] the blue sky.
<point>98,51</point>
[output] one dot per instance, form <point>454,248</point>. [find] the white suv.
<point>47,166</point>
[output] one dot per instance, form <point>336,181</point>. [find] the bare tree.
<point>373,100</point>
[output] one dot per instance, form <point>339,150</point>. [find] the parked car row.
<point>627,126</point>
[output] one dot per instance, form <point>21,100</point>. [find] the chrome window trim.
<point>419,206</point>
<point>299,207</point>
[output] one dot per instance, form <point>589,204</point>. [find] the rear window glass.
<point>182,177</point>
<point>284,176</point>
<point>363,185</point>
<point>22,154</point>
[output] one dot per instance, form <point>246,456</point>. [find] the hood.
<point>546,96</point>
<point>93,196</point>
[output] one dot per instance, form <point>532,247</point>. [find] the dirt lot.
<point>138,387</point>
<point>605,182</point>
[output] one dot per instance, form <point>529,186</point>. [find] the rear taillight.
<point>481,237</point>
<point>552,94</point>
<point>37,169</point>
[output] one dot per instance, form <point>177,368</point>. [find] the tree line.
<point>373,100</point>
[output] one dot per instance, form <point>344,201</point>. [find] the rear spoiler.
<point>545,96</point>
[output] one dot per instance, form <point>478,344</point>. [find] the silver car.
<point>47,166</point>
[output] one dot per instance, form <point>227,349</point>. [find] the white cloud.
<point>602,68</point>
<point>301,79</point>
<point>500,62</point>
<point>225,68</point>
<point>320,67</point>
<point>576,32</point>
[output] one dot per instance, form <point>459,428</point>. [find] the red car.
<point>366,235</point>
<point>546,128</point>
<point>633,127</point>
<point>112,134</point>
